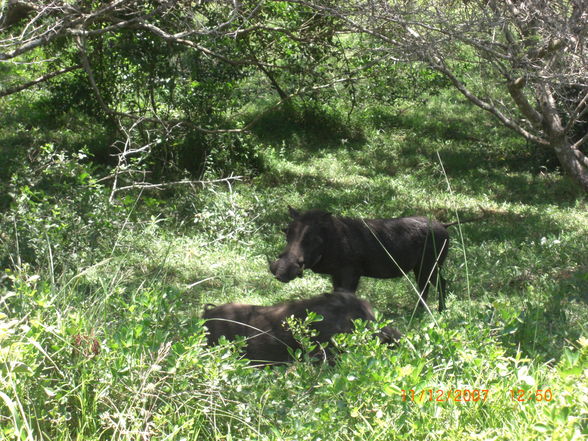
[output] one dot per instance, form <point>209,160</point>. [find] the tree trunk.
<point>572,160</point>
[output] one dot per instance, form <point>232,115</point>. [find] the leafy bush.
<point>58,212</point>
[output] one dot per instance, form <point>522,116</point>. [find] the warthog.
<point>348,248</point>
<point>267,334</point>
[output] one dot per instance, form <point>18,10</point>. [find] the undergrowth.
<point>100,304</point>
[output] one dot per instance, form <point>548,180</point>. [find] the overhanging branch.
<point>41,79</point>
<point>508,122</point>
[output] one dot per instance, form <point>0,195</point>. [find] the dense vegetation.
<point>115,231</point>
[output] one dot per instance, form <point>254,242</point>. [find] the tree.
<point>524,61</point>
<point>171,76</point>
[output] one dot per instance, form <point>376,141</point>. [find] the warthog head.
<point>305,245</point>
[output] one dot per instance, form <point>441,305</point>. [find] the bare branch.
<point>550,112</point>
<point>172,38</point>
<point>576,146</point>
<point>515,89</point>
<point>104,30</point>
<point>508,122</point>
<point>144,185</point>
<point>539,47</point>
<point>121,172</point>
<point>580,109</point>
<point>32,44</point>
<point>66,22</point>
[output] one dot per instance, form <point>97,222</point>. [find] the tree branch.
<point>172,38</point>
<point>440,66</point>
<point>576,146</point>
<point>67,22</point>
<point>81,43</point>
<point>143,185</point>
<point>580,109</point>
<point>515,88</point>
<point>552,120</point>
<point>15,89</point>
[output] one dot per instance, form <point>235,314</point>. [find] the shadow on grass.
<point>31,125</point>
<point>471,172</point>
<point>490,158</point>
<point>389,201</point>
<point>308,127</point>
<point>433,127</point>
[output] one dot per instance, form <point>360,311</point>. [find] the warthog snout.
<point>286,269</point>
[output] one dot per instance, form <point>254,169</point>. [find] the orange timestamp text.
<point>473,395</point>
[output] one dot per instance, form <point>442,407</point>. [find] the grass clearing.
<point>113,347</point>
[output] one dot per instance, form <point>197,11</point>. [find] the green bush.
<point>58,212</point>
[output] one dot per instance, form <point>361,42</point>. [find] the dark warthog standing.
<point>349,248</point>
<point>268,337</point>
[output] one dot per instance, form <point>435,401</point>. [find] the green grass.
<point>110,344</point>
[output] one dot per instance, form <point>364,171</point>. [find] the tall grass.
<point>132,374</point>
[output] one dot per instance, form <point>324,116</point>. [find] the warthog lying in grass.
<point>347,249</point>
<point>268,337</point>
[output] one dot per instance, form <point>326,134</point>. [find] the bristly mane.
<point>315,214</point>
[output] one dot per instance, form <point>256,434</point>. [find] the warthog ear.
<point>293,212</point>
